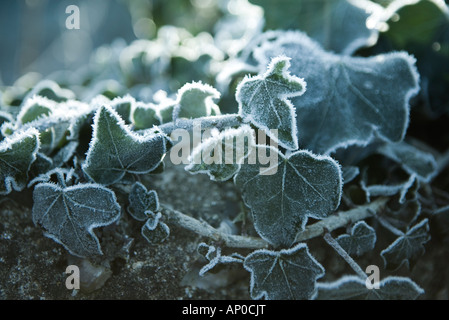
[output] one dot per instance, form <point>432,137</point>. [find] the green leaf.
<point>50,90</point>
<point>354,288</point>
<point>154,230</point>
<point>221,155</point>
<point>407,248</point>
<point>115,150</point>
<point>142,202</point>
<point>263,101</point>
<point>123,106</point>
<point>412,160</point>
<point>195,100</point>
<point>17,153</point>
<point>349,100</point>
<point>34,108</point>
<point>284,195</point>
<point>69,214</point>
<point>339,25</point>
<point>144,116</point>
<point>280,275</point>
<point>362,239</point>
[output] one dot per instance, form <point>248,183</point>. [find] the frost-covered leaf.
<point>144,115</point>
<point>264,101</point>
<point>154,230</point>
<point>220,156</point>
<point>214,256</point>
<point>195,100</point>
<point>407,248</point>
<point>123,106</point>
<point>69,214</point>
<point>115,150</point>
<point>349,173</point>
<point>402,215</point>
<point>17,153</point>
<point>362,239</point>
<point>280,275</point>
<point>34,108</point>
<point>51,90</point>
<point>349,100</point>
<point>142,202</point>
<point>412,160</point>
<point>339,25</point>
<point>62,176</point>
<point>354,288</point>
<point>65,153</point>
<point>388,190</point>
<point>284,195</point>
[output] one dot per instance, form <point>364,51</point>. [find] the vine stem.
<point>342,252</point>
<point>338,220</point>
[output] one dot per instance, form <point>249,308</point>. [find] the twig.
<point>342,252</point>
<point>338,220</point>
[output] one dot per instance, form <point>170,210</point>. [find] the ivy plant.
<point>309,122</point>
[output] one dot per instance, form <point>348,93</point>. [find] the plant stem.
<point>338,220</point>
<point>342,252</point>
<point>219,122</point>
<point>204,229</point>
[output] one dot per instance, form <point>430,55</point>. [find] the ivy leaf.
<point>281,275</point>
<point>69,214</point>
<point>154,230</point>
<point>263,101</point>
<point>144,116</point>
<point>354,288</point>
<point>195,100</point>
<point>350,100</point>
<point>17,153</point>
<point>115,150</point>
<point>412,160</point>
<point>220,156</point>
<point>142,202</point>
<point>50,90</point>
<point>407,248</point>
<point>322,21</point>
<point>377,190</point>
<point>123,106</point>
<point>293,188</point>
<point>362,239</point>
<point>34,108</point>
<point>215,257</point>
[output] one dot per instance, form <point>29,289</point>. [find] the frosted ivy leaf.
<point>349,173</point>
<point>214,256</point>
<point>362,239</point>
<point>144,116</point>
<point>123,106</point>
<point>220,156</point>
<point>115,150</point>
<point>65,153</point>
<point>34,108</point>
<point>264,101</point>
<point>154,230</point>
<point>280,275</point>
<point>413,160</point>
<point>341,26</point>
<point>301,185</point>
<point>407,248</point>
<point>5,118</point>
<point>17,153</point>
<point>354,288</point>
<point>350,100</point>
<point>69,214</point>
<point>386,190</point>
<point>142,202</point>
<point>63,176</point>
<point>195,100</point>
<point>51,90</point>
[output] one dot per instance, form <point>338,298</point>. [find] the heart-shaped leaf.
<point>362,239</point>
<point>69,214</point>
<point>287,274</point>
<point>299,186</point>
<point>142,202</point>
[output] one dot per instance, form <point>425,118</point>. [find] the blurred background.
<point>33,35</point>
